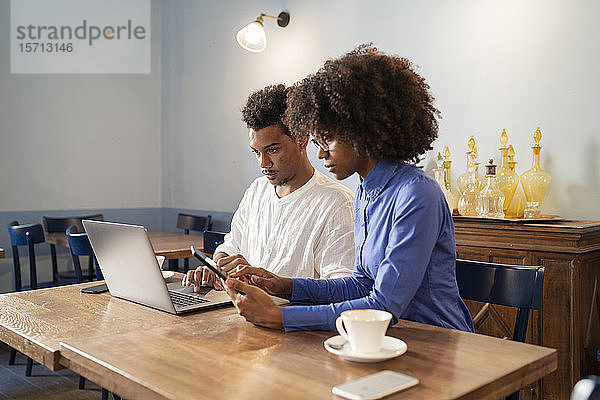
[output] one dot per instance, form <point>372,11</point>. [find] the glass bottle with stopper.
<point>507,182</point>
<point>535,181</point>
<point>491,197</point>
<point>517,204</point>
<point>472,156</point>
<point>438,174</point>
<point>452,194</point>
<point>469,203</point>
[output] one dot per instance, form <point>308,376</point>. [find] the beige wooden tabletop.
<point>168,244</point>
<point>141,353</point>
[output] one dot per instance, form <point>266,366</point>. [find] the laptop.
<point>132,272</point>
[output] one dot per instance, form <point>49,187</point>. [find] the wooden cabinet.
<point>569,318</point>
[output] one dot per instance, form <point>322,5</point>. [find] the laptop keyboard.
<point>185,299</point>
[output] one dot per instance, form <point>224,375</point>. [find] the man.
<point>293,221</point>
<point>371,114</point>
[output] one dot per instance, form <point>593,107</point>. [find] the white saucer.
<point>167,274</point>
<point>392,347</point>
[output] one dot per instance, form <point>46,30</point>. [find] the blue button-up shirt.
<point>405,257</point>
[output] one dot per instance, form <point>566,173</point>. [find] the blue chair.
<point>507,285</point>
<point>212,240</point>
<point>189,222</point>
<point>60,225</point>
<point>24,235</point>
<point>79,244</point>
<point>587,388</point>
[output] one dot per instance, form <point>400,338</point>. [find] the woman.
<point>370,114</point>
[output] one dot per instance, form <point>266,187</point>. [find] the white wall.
<point>79,141</point>
<point>491,65</point>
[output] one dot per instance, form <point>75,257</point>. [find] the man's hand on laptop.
<point>193,277</point>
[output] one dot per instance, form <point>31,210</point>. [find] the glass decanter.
<point>535,181</point>
<point>491,197</point>
<point>452,194</point>
<point>463,180</point>
<point>469,203</point>
<point>506,181</point>
<point>517,204</point>
<point>438,174</point>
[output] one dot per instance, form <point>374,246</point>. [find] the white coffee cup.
<point>364,329</point>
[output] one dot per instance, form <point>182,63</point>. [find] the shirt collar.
<point>298,192</point>
<point>379,176</point>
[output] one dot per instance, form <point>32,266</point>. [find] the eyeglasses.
<point>320,145</point>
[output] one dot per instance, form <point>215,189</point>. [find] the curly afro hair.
<point>266,107</point>
<point>373,101</point>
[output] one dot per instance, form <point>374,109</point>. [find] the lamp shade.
<point>252,37</point>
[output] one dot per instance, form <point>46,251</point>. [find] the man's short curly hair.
<point>266,107</point>
<point>375,102</point>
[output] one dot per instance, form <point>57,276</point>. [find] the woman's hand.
<point>268,281</point>
<point>254,304</point>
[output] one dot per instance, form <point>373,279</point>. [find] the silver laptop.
<point>132,272</point>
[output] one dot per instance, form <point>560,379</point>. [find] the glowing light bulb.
<point>252,37</point>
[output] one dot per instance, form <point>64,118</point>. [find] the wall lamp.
<point>252,37</point>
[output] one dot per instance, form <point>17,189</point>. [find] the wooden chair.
<point>197,223</point>
<point>507,285</point>
<point>212,240</point>
<point>25,235</point>
<point>60,224</point>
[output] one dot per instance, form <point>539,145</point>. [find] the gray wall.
<point>79,140</point>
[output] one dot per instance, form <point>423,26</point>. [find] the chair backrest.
<point>189,222</point>
<point>61,224</point>
<point>79,244</point>
<point>212,239</point>
<point>587,388</point>
<point>508,285</point>
<point>21,235</point>
<point>25,235</point>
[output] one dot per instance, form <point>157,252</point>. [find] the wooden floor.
<point>42,384</point>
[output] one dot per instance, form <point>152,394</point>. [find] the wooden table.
<point>1,253</point>
<point>172,246</point>
<point>569,317</point>
<point>141,353</point>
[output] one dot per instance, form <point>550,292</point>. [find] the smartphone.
<point>375,386</point>
<point>208,262</point>
<point>95,289</point>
